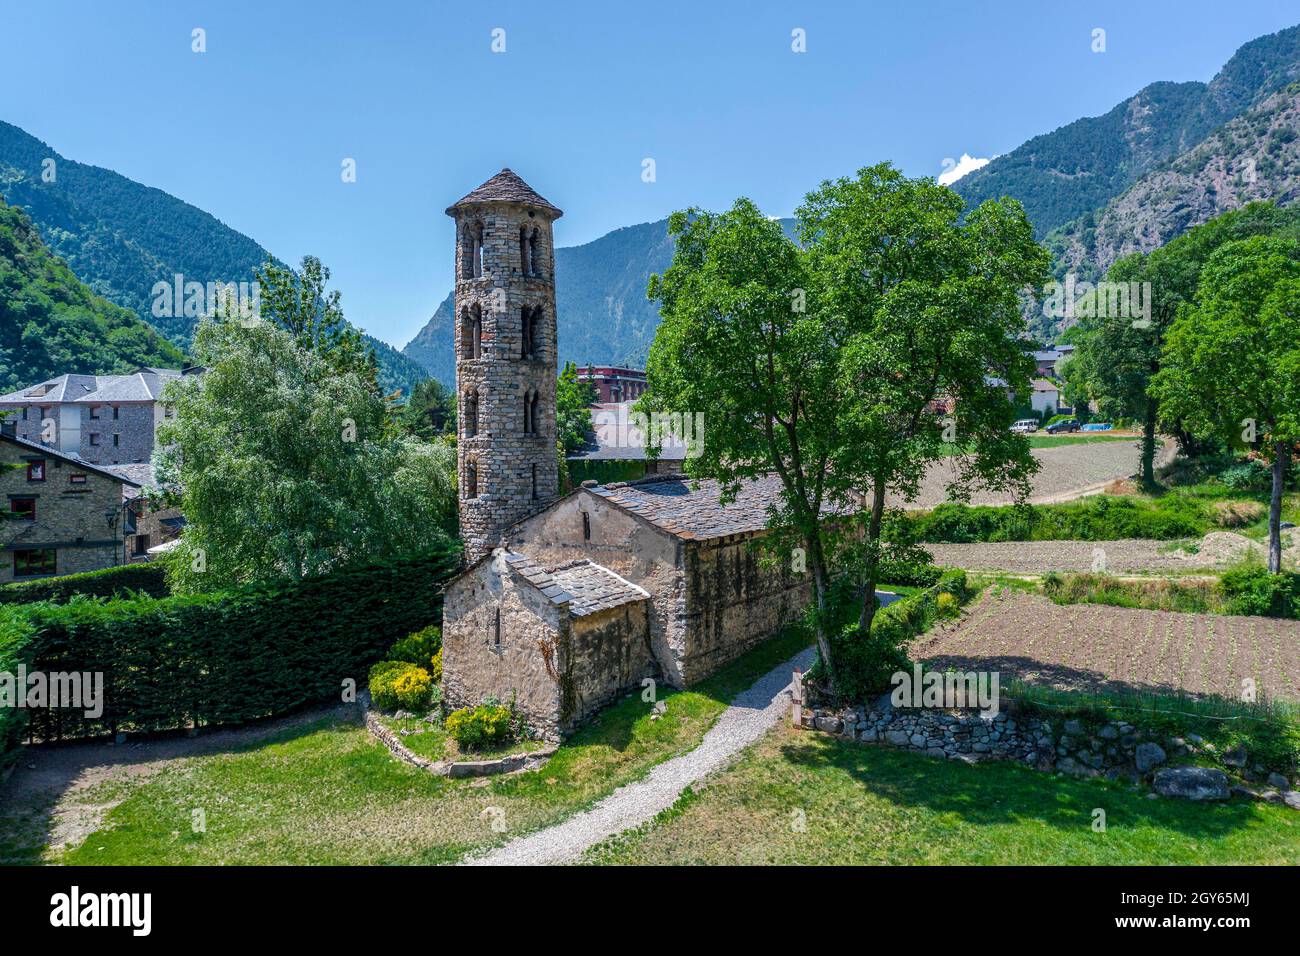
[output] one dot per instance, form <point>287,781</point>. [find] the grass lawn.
<point>859,804</point>
<point>1042,440</point>
<point>326,792</point>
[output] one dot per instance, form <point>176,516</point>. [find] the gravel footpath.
<point>751,714</point>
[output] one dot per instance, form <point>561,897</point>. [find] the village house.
<point>567,603</point>
<point>65,514</point>
<point>102,419</point>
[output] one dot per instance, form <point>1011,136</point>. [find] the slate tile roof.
<point>505,186</point>
<point>142,385</point>
<point>671,503</point>
<point>585,585</point>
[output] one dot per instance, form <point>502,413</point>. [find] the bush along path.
<point>751,714</point>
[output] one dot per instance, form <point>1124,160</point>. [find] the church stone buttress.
<point>505,331</point>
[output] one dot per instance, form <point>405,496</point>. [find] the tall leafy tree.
<point>1232,360</point>
<point>430,413</point>
<point>573,400</point>
<point>298,303</point>
<point>821,362</point>
<point>287,468</point>
<point>1117,357</point>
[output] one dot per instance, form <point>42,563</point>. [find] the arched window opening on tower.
<point>476,332</point>
<point>531,320</point>
<point>528,413</point>
<point>471,479</point>
<point>471,414</point>
<point>532,413</point>
<point>471,252</point>
<point>528,251</point>
<point>534,482</point>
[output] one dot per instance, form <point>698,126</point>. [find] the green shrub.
<point>1251,589</point>
<point>1162,594</point>
<point>604,471</point>
<point>1248,475</point>
<point>418,648</point>
<point>235,656</point>
<point>435,667</point>
<point>475,727</point>
<point>145,578</point>
<point>914,574</point>
<point>399,685</point>
<point>864,663</point>
<point>1100,518</point>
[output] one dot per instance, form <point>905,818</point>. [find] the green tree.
<point>430,413</point>
<point>298,303</point>
<point>822,362</point>
<point>1232,359</point>
<point>573,400</point>
<point>287,468</point>
<point>1117,357</point>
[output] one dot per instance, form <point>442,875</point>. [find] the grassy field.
<point>1044,440</point>
<point>805,798</point>
<point>326,792</point>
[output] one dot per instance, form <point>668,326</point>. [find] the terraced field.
<point>1096,647</point>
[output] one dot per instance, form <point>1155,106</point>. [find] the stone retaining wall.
<point>1116,750</point>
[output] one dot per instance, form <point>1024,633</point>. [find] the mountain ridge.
<point>120,237</point>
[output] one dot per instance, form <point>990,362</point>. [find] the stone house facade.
<point>101,419</point>
<point>71,515</point>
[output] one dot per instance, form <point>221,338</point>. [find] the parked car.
<point>1064,425</point>
<point>1025,425</point>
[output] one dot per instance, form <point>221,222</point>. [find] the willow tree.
<point>821,361</point>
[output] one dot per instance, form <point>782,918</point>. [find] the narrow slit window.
<point>586,526</point>
<point>496,628</point>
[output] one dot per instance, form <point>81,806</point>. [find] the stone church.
<point>566,603</point>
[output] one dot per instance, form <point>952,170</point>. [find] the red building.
<point>614,384</point>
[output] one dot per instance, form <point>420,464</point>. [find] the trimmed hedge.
<point>16,632</point>
<point>1101,518</point>
<point>144,578</point>
<point>230,657</point>
<point>604,471</point>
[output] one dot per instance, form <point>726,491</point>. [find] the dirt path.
<point>750,716</point>
<point>56,782</point>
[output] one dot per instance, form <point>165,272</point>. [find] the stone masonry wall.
<point>1114,749</point>
<point>733,602</point>
<point>475,666</point>
<point>606,654</point>
<point>627,546</point>
<point>72,519</point>
<point>126,439</point>
<point>501,377</point>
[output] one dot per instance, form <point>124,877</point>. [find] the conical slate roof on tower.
<point>505,186</point>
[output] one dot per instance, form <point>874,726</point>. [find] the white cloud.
<point>967,164</point>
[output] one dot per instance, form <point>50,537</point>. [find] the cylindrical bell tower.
<point>505,357</point>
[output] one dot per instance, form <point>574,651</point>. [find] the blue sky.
<point>255,130</point>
